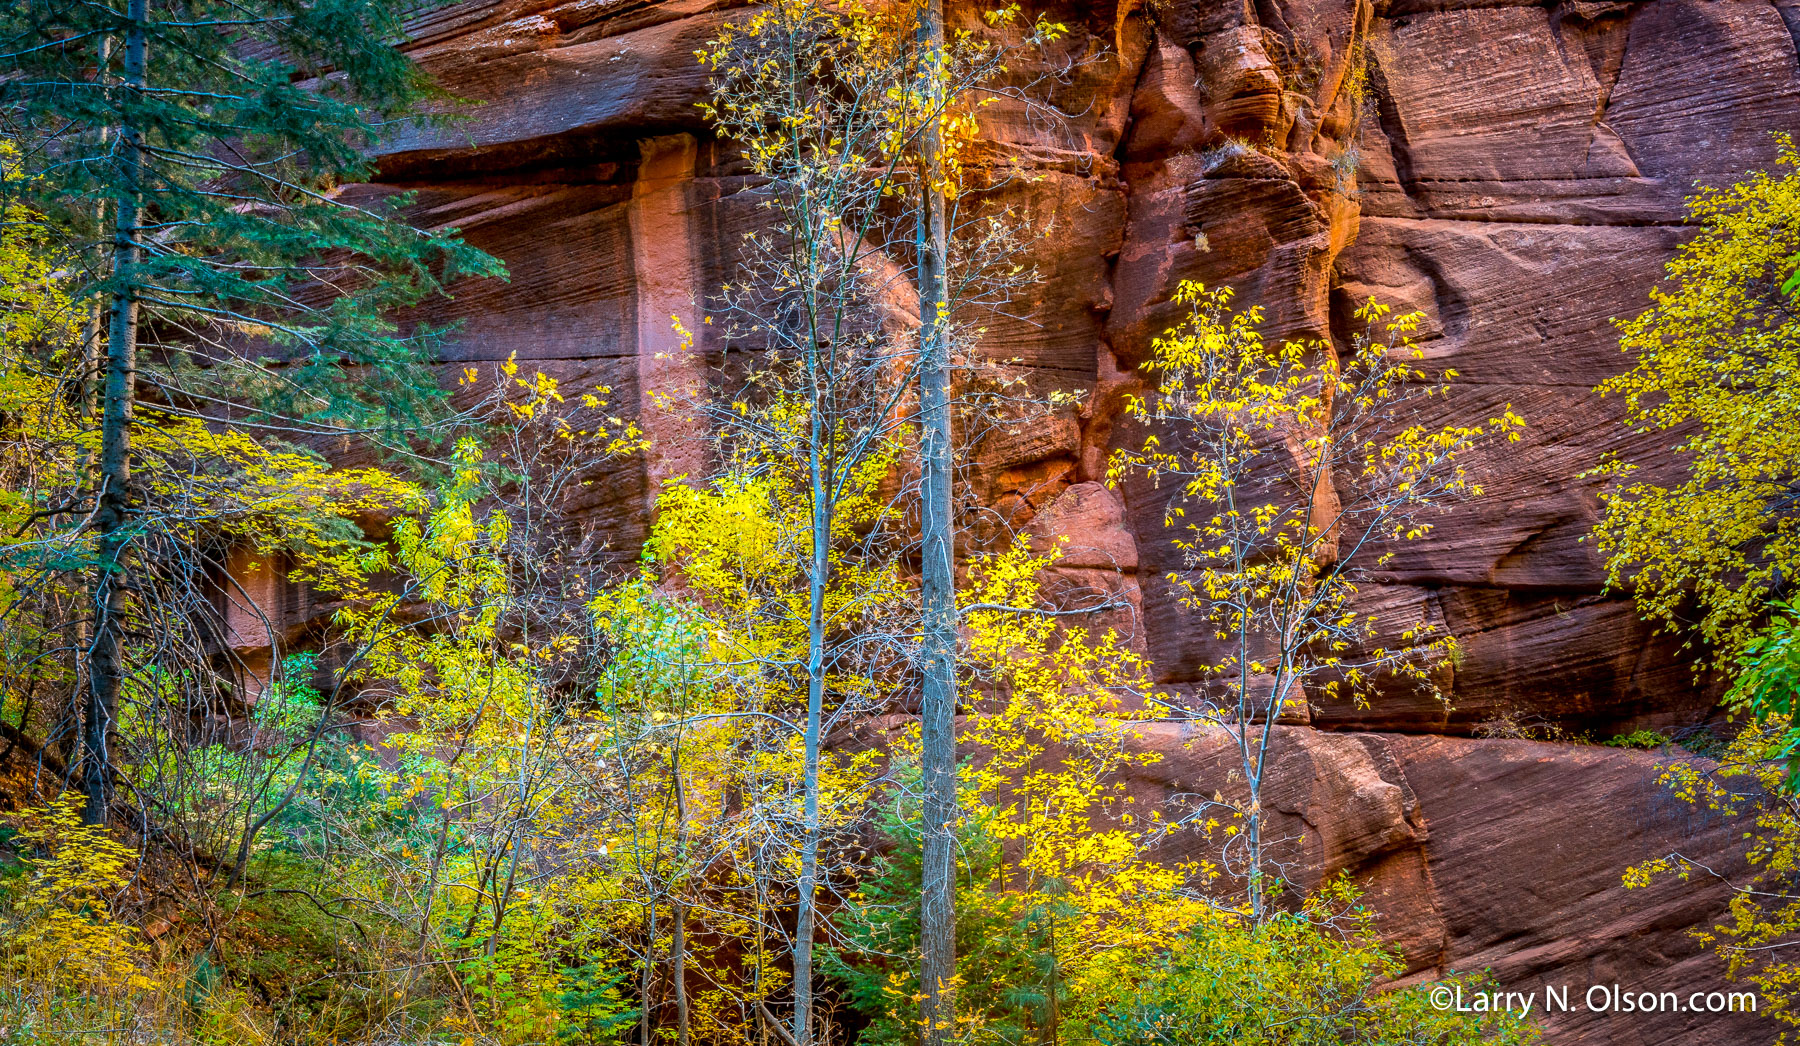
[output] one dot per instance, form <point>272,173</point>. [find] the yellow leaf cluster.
<point>1715,357</point>
<point>58,928</point>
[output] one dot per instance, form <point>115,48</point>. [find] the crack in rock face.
<point>1514,171</point>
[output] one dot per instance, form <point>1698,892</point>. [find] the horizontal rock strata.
<point>1514,171</point>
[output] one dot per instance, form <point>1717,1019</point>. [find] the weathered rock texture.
<point>1515,171</point>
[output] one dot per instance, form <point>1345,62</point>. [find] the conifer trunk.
<point>937,900</point>
<point>105,661</point>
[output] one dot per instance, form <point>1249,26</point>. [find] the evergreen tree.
<point>198,152</point>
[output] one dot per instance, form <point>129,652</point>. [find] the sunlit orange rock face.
<point>1514,171</point>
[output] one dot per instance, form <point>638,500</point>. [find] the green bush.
<point>1308,978</point>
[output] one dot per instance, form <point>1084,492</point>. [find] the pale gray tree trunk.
<point>807,916</point>
<point>937,900</point>
<point>678,906</point>
<point>647,976</point>
<point>93,354</point>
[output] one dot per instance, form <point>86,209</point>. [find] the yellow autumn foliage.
<point>1763,915</point>
<point>868,50</point>
<point>58,929</point>
<point>1052,725</point>
<point>1715,358</point>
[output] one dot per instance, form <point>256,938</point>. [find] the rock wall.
<point>1514,170</point>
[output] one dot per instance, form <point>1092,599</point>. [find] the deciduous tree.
<point>1294,472</point>
<point>845,109</point>
<point>1712,544</point>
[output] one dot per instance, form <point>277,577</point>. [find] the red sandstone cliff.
<point>1515,171</point>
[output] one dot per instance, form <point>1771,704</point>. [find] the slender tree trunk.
<point>503,901</point>
<point>807,916</point>
<point>678,970</point>
<point>431,880</point>
<point>647,975</point>
<point>95,332</point>
<point>678,907</point>
<point>106,660</point>
<point>937,900</point>
<point>65,733</point>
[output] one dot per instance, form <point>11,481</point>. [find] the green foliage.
<point>1702,742</point>
<point>1312,977</point>
<point>1009,979</point>
<point>1768,688</point>
<point>593,1007</point>
<point>282,944</point>
<point>1715,359</point>
<point>291,705</point>
<point>252,119</point>
<point>1647,739</point>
